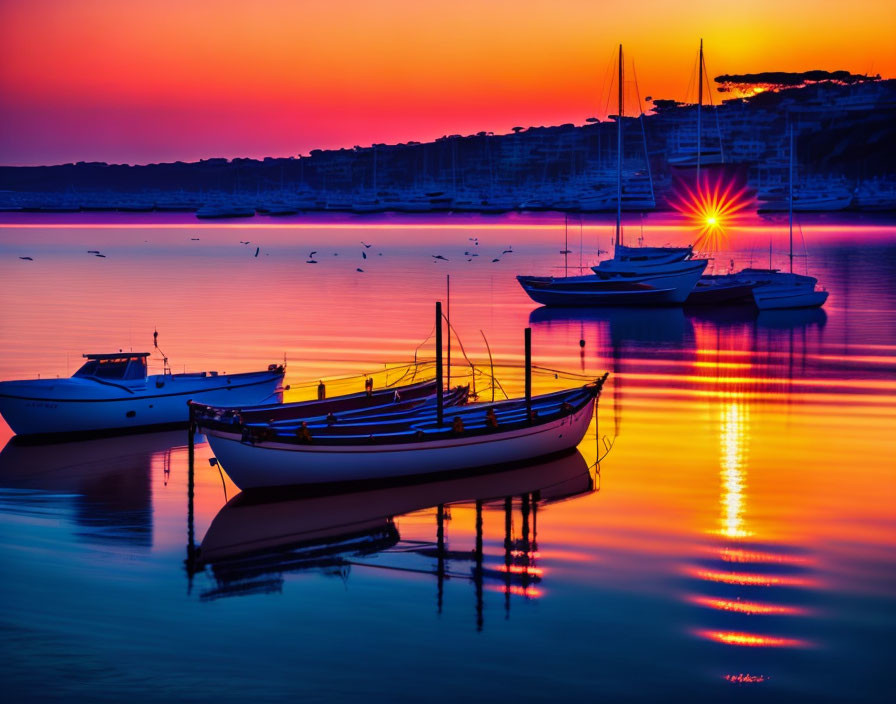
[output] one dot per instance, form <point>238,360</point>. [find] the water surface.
<point>737,541</point>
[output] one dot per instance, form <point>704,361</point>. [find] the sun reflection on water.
<point>746,607</point>
<point>734,429</point>
<point>753,640</point>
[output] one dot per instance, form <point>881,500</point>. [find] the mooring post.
<point>529,374</point>
<point>191,441</point>
<point>440,392</point>
<point>448,320</point>
<point>479,573</point>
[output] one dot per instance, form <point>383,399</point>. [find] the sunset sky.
<point>147,81</point>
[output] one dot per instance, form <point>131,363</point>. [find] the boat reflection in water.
<point>254,540</point>
<point>625,326</point>
<point>792,319</point>
<point>107,481</point>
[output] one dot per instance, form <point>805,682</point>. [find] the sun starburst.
<point>712,206</point>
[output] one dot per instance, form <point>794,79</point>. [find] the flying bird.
<point>195,239</point>
<point>257,250</point>
<point>100,255</point>
<point>311,261</point>
<point>509,250</point>
<point>367,246</point>
<point>360,269</point>
<point>27,259</point>
<point>495,260</point>
<point>364,254</point>
<point>96,251</point>
<point>244,242</point>
<point>439,256</point>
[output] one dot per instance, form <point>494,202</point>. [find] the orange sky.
<point>146,81</point>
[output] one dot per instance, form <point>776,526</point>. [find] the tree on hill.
<point>778,80</point>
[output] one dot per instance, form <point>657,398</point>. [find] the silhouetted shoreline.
<point>846,151</point>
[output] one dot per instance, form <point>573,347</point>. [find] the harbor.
<point>844,133</point>
<point>727,514</point>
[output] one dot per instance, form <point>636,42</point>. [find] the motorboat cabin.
<point>130,366</point>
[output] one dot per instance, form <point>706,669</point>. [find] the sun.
<point>713,206</point>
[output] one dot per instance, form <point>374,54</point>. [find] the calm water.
<point>737,541</point>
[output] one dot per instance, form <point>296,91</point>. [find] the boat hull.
<point>579,299</point>
<point>659,288</point>
<point>781,299</point>
<point>720,294</point>
<point>280,464</point>
<point>56,408</point>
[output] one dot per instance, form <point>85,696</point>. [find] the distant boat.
<point>112,392</point>
<point>387,447</point>
<point>875,194</point>
<point>277,209</point>
<point>589,291</point>
<point>780,290</point>
<point>635,276</point>
<point>225,210</point>
<point>716,289</point>
<point>813,196</point>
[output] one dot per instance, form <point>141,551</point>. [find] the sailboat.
<point>712,289</point>
<point>686,154</point>
<point>635,276</point>
<point>779,290</point>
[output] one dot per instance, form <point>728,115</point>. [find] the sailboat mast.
<point>619,156</point>
<point>790,197</point>
<point>699,107</point>
<point>566,244</point>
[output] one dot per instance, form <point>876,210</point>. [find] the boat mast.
<point>699,107</point>
<point>619,156</point>
<point>566,244</point>
<point>790,197</point>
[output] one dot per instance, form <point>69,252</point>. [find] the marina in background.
<point>845,142</point>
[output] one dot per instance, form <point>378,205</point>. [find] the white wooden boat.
<point>379,447</point>
<point>112,392</point>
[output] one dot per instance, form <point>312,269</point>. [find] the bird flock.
<point>470,253</point>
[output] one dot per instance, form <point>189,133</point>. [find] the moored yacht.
<point>112,392</point>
